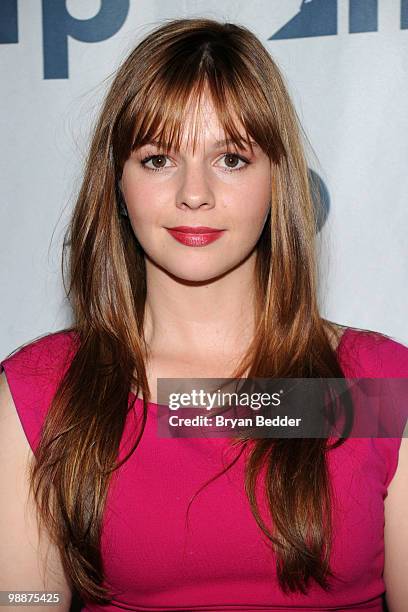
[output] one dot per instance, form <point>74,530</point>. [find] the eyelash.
<point>144,161</point>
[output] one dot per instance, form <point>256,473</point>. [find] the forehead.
<point>209,129</point>
<point>201,115</point>
<point>202,128</point>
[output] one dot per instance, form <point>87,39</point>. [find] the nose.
<point>195,189</point>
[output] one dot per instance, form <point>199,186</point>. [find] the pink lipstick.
<point>195,236</point>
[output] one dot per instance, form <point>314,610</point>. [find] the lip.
<point>195,238</point>
<point>200,229</point>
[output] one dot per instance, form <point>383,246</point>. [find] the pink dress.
<point>153,562</point>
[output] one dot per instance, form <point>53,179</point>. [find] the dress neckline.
<point>338,349</point>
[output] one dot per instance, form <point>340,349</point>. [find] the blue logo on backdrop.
<point>58,25</point>
<point>315,18</point>
<point>319,18</point>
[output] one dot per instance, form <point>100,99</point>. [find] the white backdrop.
<point>346,67</point>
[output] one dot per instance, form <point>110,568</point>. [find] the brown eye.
<point>231,160</point>
<point>159,161</point>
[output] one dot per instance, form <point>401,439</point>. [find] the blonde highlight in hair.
<point>171,68</point>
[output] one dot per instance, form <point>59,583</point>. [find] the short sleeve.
<point>376,355</point>
<point>33,373</point>
<point>393,363</point>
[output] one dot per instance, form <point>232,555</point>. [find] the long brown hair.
<point>77,455</point>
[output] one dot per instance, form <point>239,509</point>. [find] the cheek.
<point>254,205</point>
<point>143,217</point>
<point>143,203</point>
<point>139,192</point>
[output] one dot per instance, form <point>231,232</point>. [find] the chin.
<point>197,274</point>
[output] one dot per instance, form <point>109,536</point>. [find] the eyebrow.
<point>217,143</point>
<point>228,141</point>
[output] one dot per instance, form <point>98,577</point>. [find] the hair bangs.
<point>164,118</point>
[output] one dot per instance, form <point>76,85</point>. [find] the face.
<point>218,187</point>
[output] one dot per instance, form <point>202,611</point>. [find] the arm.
<point>396,535</point>
<point>25,563</point>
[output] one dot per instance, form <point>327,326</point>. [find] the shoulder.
<point>372,354</point>
<point>43,355</point>
<point>33,372</point>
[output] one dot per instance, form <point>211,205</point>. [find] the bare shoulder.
<point>28,559</point>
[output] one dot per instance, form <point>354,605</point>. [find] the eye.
<point>232,160</point>
<point>158,162</point>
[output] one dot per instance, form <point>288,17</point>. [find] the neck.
<point>215,317</point>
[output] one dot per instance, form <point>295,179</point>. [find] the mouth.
<point>195,236</point>
<point>195,230</point>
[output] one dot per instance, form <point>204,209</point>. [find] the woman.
<point>197,130</point>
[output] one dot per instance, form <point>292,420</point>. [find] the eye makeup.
<point>145,160</point>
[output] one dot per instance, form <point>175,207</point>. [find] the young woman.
<point>197,131</point>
